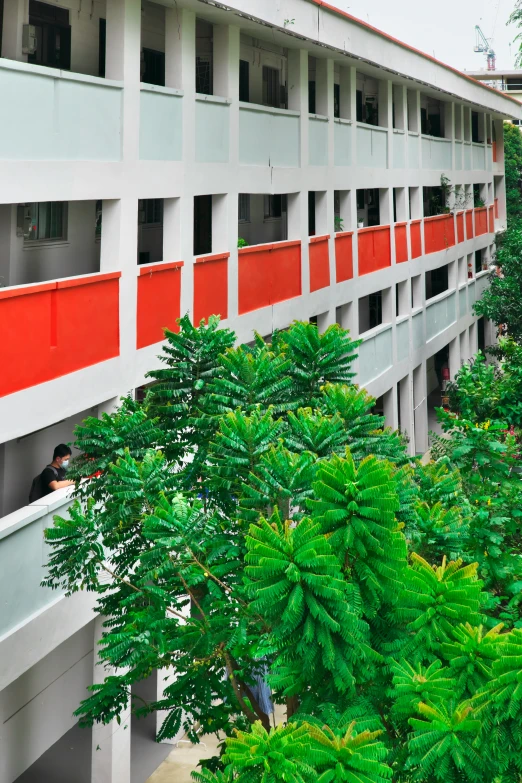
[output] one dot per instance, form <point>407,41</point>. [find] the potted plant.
<point>360,223</point>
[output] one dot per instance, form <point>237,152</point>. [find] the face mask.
<point>65,464</point>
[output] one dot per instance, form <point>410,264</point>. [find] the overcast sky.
<point>443,28</point>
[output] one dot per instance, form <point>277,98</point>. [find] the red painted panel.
<point>481,221</point>
<point>494,152</point>
<point>268,274</point>
<point>460,227</point>
<point>374,249</point>
<point>401,243</point>
<point>496,208</point>
<point>56,328</point>
<point>210,287</point>
<point>286,272</point>
<point>439,233</point>
<point>343,256</point>
<point>159,302</point>
<point>469,224</point>
<point>491,219</point>
<point>415,238</point>
<point>319,263</point>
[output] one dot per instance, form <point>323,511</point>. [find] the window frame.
<point>30,241</point>
<point>243,207</point>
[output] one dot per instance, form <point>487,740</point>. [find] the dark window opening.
<point>478,260</point>
<point>437,281</point>
<point>368,207</point>
<point>370,312</point>
<point>311,98</point>
<point>275,205</point>
<point>481,335</point>
<point>359,105</point>
<point>337,100</point>
<point>244,81</point>
<point>434,203</point>
<point>150,230</point>
<point>153,67</point>
<point>432,119</point>
<point>204,57</point>
<point>476,129</point>
<point>202,225</point>
<point>53,35</point>
<point>271,87</point>
<point>311,213</point>
<point>102,43</point>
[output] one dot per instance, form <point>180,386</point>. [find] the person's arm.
<point>54,485</point>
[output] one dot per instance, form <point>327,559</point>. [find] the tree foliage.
<point>254,521</point>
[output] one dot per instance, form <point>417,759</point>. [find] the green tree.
<point>254,520</point>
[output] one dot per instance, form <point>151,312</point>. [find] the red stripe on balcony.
<point>460,227</point>
<point>401,243</point>
<point>416,238</point>
<point>439,233</point>
<point>53,329</point>
<point>374,249</point>
<point>319,262</point>
<point>268,274</point>
<point>481,221</point>
<point>343,256</point>
<point>159,301</point>
<point>210,287</point>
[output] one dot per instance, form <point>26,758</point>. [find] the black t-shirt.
<point>50,474</point>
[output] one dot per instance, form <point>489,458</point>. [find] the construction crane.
<point>483,46</point>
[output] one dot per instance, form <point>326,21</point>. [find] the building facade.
<point>143,141</point>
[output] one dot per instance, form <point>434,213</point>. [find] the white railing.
<point>212,129</point>
<point>23,556</point>
<point>343,142</point>
<point>317,140</point>
<point>375,354</point>
<point>161,123</point>
<point>372,146</point>
<point>436,153</point>
<point>268,137</point>
<point>440,314</point>
<point>478,156</point>
<point>481,283</point>
<point>413,150</point>
<point>399,149</point>
<point>463,301</point>
<point>417,331</point>
<point>56,115</point>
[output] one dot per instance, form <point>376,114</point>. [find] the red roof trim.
<point>360,22</point>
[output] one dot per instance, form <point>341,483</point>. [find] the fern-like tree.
<point>259,524</point>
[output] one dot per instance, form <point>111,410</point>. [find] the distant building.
<point>507,81</point>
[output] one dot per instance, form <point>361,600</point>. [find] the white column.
<point>406,404</point>
<point>390,407</point>
<point>171,229</point>
<point>454,357</point>
<point>298,101</point>
<point>16,14</point>
<point>420,404</point>
<point>226,84</point>
<point>111,743</point>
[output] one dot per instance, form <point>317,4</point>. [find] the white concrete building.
<point>139,141</point>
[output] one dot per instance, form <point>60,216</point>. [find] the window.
<point>244,81</point>
<point>271,89</point>
<point>202,225</point>
<point>102,40</point>
<point>375,309</point>
<point>478,260</point>
<point>45,221</point>
<point>361,203</point>
<point>153,67</point>
<point>204,74</point>
<point>274,207</point>
<point>311,213</point>
<point>98,220</point>
<point>244,208</point>
<point>437,281</point>
<point>337,100</point>
<point>359,106</point>
<point>53,35</point>
<point>311,97</point>
<point>151,211</point>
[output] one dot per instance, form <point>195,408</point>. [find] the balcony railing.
<point>212,129</point>
<point>436,153</point>
<point>440,314</point>
<point>374,249</point>
<point>159,301</point>
<point>57,115</point>
<point>372,146</point>
<point>52,329</point>
<point>268,274</point>
<point>375,354</point>
<point>161,123</point>
<point>210,286</point>
<point>343,256</point>
<point>319,259</point>
<point>439,233</point>
<point>268,137</point>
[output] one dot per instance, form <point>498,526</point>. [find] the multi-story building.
<point>139,142</point>
<point>507,81</point>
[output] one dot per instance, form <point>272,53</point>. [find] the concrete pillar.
<point>390,407</point>
<point>225,216</point>
<point>16,14</point>
<point>473,340</point>
<point>111,743</point>
<point>464,347</point>
<point>420,406</point>
<point>406,411</point>
<point>454,357</point>
<point>298,101</point>
<point>165,678</point>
